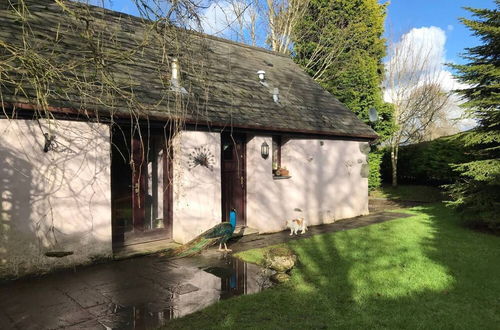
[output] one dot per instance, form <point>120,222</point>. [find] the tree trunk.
<point>272,25</point>
<point>394,165</point>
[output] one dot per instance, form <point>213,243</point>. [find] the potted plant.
<point>283,171</point>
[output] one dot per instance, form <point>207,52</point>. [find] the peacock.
<point>220,233</point>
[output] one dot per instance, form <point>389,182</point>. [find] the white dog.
<point>295,225</point>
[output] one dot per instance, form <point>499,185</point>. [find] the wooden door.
<point>233,166</point>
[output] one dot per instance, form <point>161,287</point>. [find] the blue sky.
<point>403,15</point>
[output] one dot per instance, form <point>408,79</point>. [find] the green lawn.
<point>424,271</point>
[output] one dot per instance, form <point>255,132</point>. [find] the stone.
<point>281,264</point>
<point>280,278</point>
<point>280,259</point>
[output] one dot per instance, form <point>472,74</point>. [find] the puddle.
<point>203,282</point>
<point>140,293</point>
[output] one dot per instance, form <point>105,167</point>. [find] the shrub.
<point>428,162</point>
<point>374,178</point>
<point>477,200</point>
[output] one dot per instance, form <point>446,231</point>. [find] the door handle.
<point>241,180</point>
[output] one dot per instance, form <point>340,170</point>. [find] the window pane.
<point>276,152</point>
<point>154,197</point>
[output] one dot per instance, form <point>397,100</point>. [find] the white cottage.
<point>127,143</point>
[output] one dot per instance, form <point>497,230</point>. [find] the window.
<point>279,171</point>
<point>276,153</point>
<point>227,151</point>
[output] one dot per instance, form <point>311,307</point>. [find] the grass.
<point>415,193</point>
<point>421,272</point>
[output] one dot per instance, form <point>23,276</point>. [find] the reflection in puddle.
<point>195,288</point>
<point>136,317</point>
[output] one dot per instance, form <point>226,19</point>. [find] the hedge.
<point>427,162</point>
<point>374,178</point>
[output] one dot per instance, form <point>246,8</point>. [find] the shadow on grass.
<point>418,272</point>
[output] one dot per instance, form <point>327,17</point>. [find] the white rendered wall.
<point>197,189</point>
<point>329,182</point>
<point>54,201</point>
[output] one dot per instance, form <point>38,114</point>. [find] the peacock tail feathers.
<point>222,232</point>
<point>194,247</point>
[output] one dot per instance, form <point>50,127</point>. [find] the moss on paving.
<point>424,271</point>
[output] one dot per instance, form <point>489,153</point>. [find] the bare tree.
<point>277,20</point>
<point>413,83</point>
<point>282,16</point>
<point>249,21</point>
<point>245,18</point>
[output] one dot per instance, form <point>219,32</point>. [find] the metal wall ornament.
<point>201,156</point>
<point>348,165</point>
<point>264,150</point>
<point>53,144</point>
<point>50,142</point>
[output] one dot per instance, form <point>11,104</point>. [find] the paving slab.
<point>138,293</point>
<point>147,291</point>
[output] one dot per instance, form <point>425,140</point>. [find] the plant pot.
<point>284,172</point>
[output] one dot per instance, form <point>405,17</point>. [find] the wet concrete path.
<point>144,292</point>
<point>139,293</point>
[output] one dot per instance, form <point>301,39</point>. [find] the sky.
<point>403,15</point>
<point>435,25</point>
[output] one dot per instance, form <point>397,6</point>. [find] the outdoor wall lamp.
<point>264,150</point>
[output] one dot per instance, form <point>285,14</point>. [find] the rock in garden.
<point>280,277</point>
<point>280,259</point>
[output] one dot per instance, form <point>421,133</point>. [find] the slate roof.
<point>219,75</point>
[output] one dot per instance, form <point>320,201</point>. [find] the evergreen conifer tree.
<point>477,193</point>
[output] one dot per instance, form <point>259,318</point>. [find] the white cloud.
<point>448,82</point>
<point>420,49</point>
<point>419,57</point>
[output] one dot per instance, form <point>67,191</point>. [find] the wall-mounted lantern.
<point>264,150</point>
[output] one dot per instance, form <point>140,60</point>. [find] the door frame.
<point>242,139</point>
<point>139,183</point>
